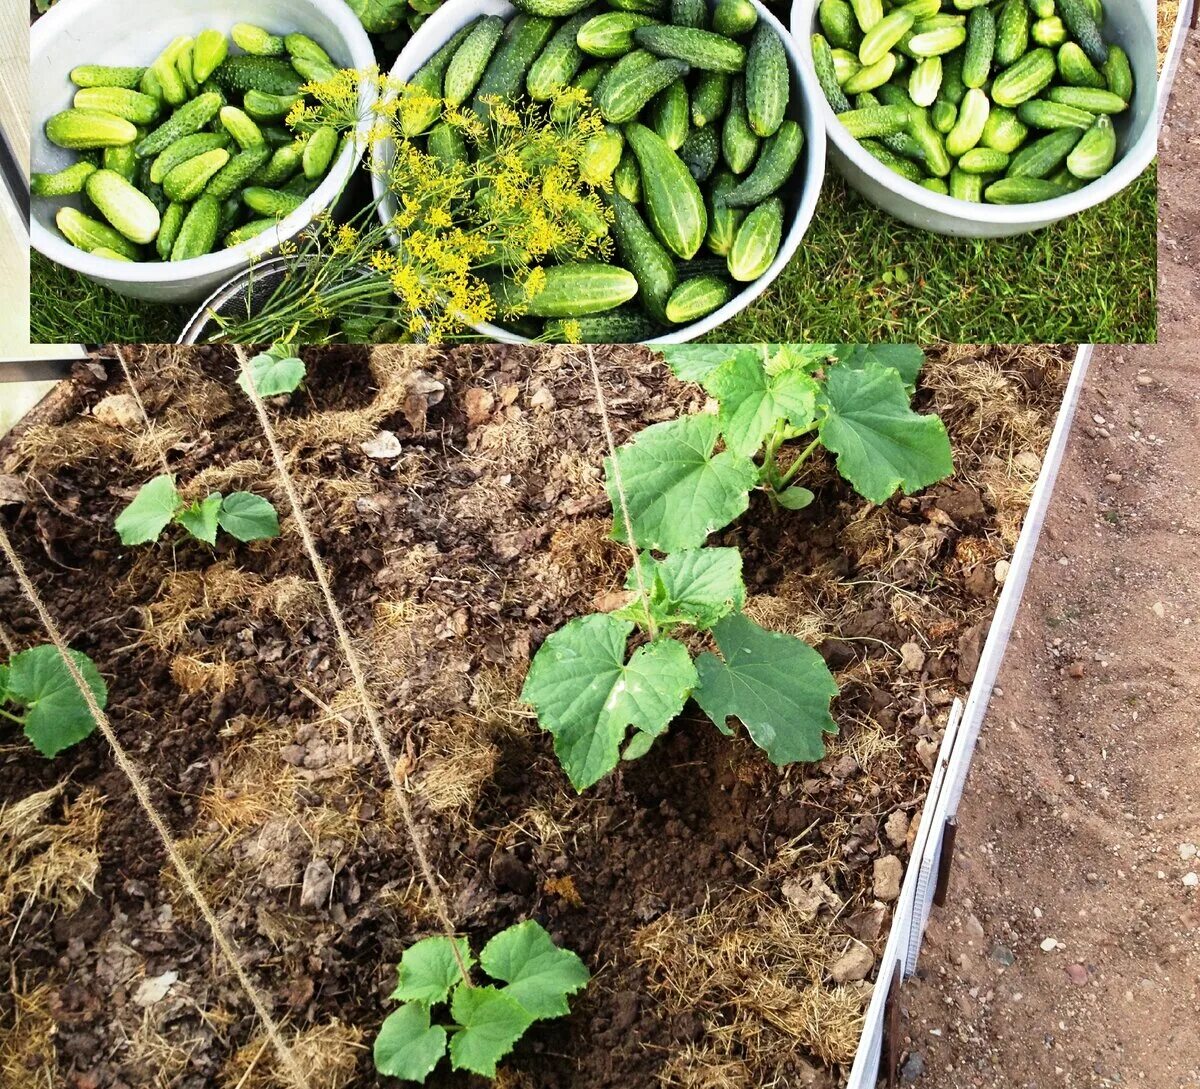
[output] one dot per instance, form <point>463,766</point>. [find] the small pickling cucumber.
<point>757,241</point>
<point>247,231</point>
<point>723,221</point>
<point>768,81</point>
<point>968,129</point>
<point>1082,24</point>
<point>80,130</point>
<point>270,202</point>
<point>697,298</point>
<point>838,24</point>
<point>775,165</point>
<point>625,325</point>
<point>1091,99</point>
<point>733,18</point>
<point>575,290</point>
<point>710,98</point>
<point>645,256</point>
<point>700,49</point>
<point>674,205</point>
<point>238,172</point>
<point>1012,32</point>
<point>64,183</point>
<point>131,105</point>
<point>634,80</point>
<point>319,150</point>
<point>1023,191</point>
<point>101,75</point>
<point>610,34</point>
<point>209,50</point>
<point>188,180</point>
<point>693,13</point>
<point>88,234</point>
<point>198,232</point>
<point>254,39</point>
<point>701,152</point>
<point>1005,130</point>
<point>186,147</point>
<point>1045,155</point>
<point>125,206</point>
<point>241,127</point>
<point>669,111</point>
<point>1093,156</point>
<point>470,60</point>
<point>190,118</point>
<point>1076,69</point>
<point>981,47</point>
<point>1040,114</point>
<point>1025,79</point>
<point>883,36</point>
<point>524,38</point>
<point>245,72</point>
<point>551,8</point>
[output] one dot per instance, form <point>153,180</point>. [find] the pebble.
<point>913,1068</point>
<point>317,885</point>
<point>896,828</point>
<point>1187,851</point>
<point>1049,945</point>
<point>1113,478</point>
<point>1003,956</point>
<point>1191,880</point>
<point>887,873</point>
<point>118,410</point>
<point>1077,974</point>
<point>1144,380</point>
<point>912,658</point>
<point>854,964</point>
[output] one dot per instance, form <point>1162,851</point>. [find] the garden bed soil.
<point>710,893</point>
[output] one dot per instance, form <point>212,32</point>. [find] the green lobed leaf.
<point>804,357</point>
<point>908,359</point>
<point>882,445</point>
<point>492,1022</point>
<point>776,684</point>
<point>428,970</point>
<point>697,586</point>
<point>273,372</point>
<point>753,401</point>
<point>56,713</point>
<point>694,362</point>
<point>150,512</point>
<point>408,1046</point>
<point>678,491</point>
<point>539,974</point>
<point>248,517</point>
<point>200,518</point>
<point>587,696</point>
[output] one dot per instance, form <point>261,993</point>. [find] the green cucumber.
<point>188,180</point>
<point>690,13</point>
<point>1040,114</point>
<point>122,160</point>
<point>89,234</point>
<point>634,80</point>
<point>190,118</point>
<point>700,152</point>
<point>871,77</point>
<point>564,109</point>
<point>1076,69</point>
<point>935,185</point>
<point>1093,156</point>
<point>1005,130</point>
<point>550,8</point>
<point>627,178</point>
<point>739,145</point>
<point>168,231</point>
<point>983,160</point>
<point>931,142</point>
<point>1023,191</point>
<point>186,147</point>
<point>611,33</point>
<point>209,50</point>
<point>470,59</point>
<point>823,64</point>
<point>733,18</point>
<point>1118,75</point>
<point>701,49</point>
<point>301,46</point>
<point>264,107</point>
<point>421,100</point>
<point>80,130</point>
<point>570,291</point>
<point>247,72</point>
<point>198,232</point>
<point>645,256</point>
<point>247,231</point>
<point>1083,26</point>
<point>131,105</point>
<point>952,89</point>
<point>624,325</point>
<point>925,81</point>
<point>237,172</point>
<point>1030,75</point>
<point>757,241</point>
<point>723,221</point>
<point>981,47</point>
<point>673,202</point>
<point>710,98</point>
<point>697,298</point>
<point>1042,9</point>
<point>1050,32</point>
<point>446,143</point>
<point>256,40</point>
<point>126,207</point>
<point>64,183</point>
<point>668,113</point>
<point>1045,155</point>
<point>1067,180</point>
<point>943,115</point>
<point>524,38</point>
<point>642,7</point>
<point>875,121</point>
<point>972,118</point>
<point>600,155</point>
<point>270,202</point>
<point>867,12</point>
<point>768,81</point>
<point>319,150</point>
<point>938,42</point>
<point>964,186</point>
<point>1088,98</point>
<point>557,64</point>
<point>101,75</point>
<point>838,24</point>
<point>845,64</point>
<point>775,165</point>
<point>883,36</point>
<point>284,162</point>
<point>897,163</point>
<point>1012,32</point>
<point>241,127</point>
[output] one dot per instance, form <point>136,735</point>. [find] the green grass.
<point>861,276</point>
<point>66,308</point>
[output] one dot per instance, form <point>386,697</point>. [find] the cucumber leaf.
<point>776,684</point>
<point>908,359</point>
<point>697,586</point>
<point>492,1022</point>
<point>3,684</point>
<point>587,696</point>
<point>753,401</point>
<point>408,1046</point>
<point>678,491</point>
<point>200,518</point>
<point>794,498</point>
<point>273,372</point>
<point>539,974</point>
<point>150,512</point>
<point>56,714</point>
<point>248,517</point>
<point>804,357</point>
<point>695,362</point>
<point>881,444</point>
<point>428,970</point>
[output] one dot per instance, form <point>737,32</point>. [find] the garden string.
<point>356,670</point>
<point>623,502</point>
<point>162,455</point>
<point>142,791</point>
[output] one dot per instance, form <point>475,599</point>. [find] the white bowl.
<point>77,32</point>
<point>800,195</point>
<point>1128,23</point>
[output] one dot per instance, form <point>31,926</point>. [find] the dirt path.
<point>1070,952</point>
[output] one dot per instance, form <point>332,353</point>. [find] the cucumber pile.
<point>1000,101</point>
<point>695,152</point>
<point>169,166</point>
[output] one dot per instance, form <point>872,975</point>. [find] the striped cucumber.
<point>627,178</point>
<point>883,36</point>
<point>768,82</point>
<point>100,75</point>
<point>1045,155</point>
<point>470,59</point>
<point>447,144</point>
<point>964,186</point>
<point>757,241</point>
<point>983,160</point>
<point>674,204</point>
<point>1082,24</point>
<point>1030,75</point>
<point>557,64</point>
<point>710,98</point>
<point>1005,131</point>
<point>319,149</point>
<point>524,38</point>
<point>550,8</point>
<point>564,109</point>
<point>723,221</point>
<point>1088,98</point>
<point>1023,191</point>
<point>1012,32</point>
<point>198,232</point>
<point>875,121</point>
<point>1093,156</point>
<point>871,77</point>
<point>897,163</point>
<point>625,325</point>
<point>867,13</point>
<point>131,105</point>
<point>925,81</point>
<point>701,152</point>
<point>611,33</point>
<point>1049,32</point>
<point>634,80</point>
<point>1040,114</point>
<point>570,291</point>
<point>838,24</point>
<point>981,47</point>
<point>89,234</point>
<point>646,257</point>
<point>600,155</point>
<point>81,130</point>
<point>126,207</point>
<point>701,49</point>
<point>972,118</point>
<point>733,18</point>
<point>64,183</point>
<point>1075,68</point>
<point>188,180</point>
<point>669,110</point>
<point>739,145</point>
<point>238,171</point>
<point>823,64</point>
<point>697,298</point>
<point>1118,75</point>
<point>775,165</point>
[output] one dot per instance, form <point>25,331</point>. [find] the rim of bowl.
<point>801,68</point>
<point>41,39</point>
<point>1131,165</point>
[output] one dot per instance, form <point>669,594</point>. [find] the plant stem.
<point>12,718</point>
<point>792,469</point>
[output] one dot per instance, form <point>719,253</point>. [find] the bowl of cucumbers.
<point>717,149</point>
<point>985,119</point>
<point>162,163</point>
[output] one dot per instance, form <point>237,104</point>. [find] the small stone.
<point>383,447</point>
<point>973,928</point>
<point>118,410</point>
<point>1187,851</point>
<point>913,1068</point>
<point>1003,956</point>
<point>1077,974</point>
<point>152,991</point>
<point>887,873</point>
<point>317,884</point>
<point>856,963</point>
<point>1113,478</point>
<point>1191,880</point>
<point>1158,609</point>
<point>1076,670</point>
<point>912,658</point>
<point>1145,380</point>
<point>896,828</point>
<point>1049,945</point>
<point>1002,569</point>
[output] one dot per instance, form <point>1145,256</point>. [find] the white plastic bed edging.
<point>1170,66</point>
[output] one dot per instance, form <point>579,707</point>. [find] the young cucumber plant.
<point>275,371</point>
<point>485,1022</point>
<point>243,515</point>
<point>41,696</point>
<point>585,687</point>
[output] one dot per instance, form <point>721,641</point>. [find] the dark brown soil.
<point>452,561</point>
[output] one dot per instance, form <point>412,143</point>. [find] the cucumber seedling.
<point>676,489</point>
<point>277,370</point>
<point>534,979</point>
<point>38,693</point>
<point>158,504</point>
